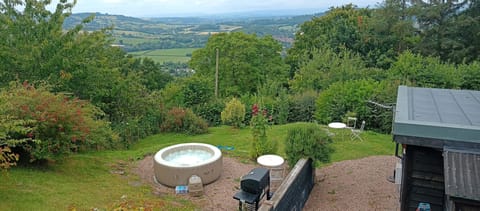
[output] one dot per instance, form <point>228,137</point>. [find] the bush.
<point>210,111</point>
<point>234,113</point>
<point>182,120</point>
<point>56,124</point>
<point>307,140</point>
<point>416,70</point>
<point>302,107</point>
<point>471,76</point>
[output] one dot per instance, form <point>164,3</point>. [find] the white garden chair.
<point>356,132</point>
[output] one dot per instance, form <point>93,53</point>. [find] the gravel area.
<point>348,185</point>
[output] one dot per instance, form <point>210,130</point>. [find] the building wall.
<point>423,178</point>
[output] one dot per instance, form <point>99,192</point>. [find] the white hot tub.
<point>174,165</point>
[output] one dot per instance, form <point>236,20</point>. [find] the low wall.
<point>294,191</point>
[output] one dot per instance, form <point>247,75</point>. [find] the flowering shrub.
<point>259,123</point>
<point>182,120</point>
<point>58,124</point>
<point>234,113</point>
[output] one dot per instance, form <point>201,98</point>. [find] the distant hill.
<point>140,34</point>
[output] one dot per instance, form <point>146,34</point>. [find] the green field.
<point>166,55</point>
<point>86,182</point>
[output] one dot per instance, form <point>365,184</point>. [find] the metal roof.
<point>462,173</point>
<point>437,117</point>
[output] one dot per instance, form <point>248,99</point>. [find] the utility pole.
<point>216,75</point>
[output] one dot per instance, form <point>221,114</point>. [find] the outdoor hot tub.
<point>174,165</point>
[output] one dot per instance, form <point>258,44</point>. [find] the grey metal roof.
<point>437,117</point>
<point>462,173</point>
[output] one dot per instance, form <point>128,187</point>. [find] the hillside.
<point>137,34</point>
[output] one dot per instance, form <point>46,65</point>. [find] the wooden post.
<point>216,75</point>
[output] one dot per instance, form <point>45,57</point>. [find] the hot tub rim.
<point>217,154</point>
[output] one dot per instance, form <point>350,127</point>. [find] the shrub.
<point>283,106</point>
<point>416,70</point>
<point>210,111</point>
<point>307,140</point>
<point>234,113</point>
<point>470,75</point>
<point>182,120</point>
<point>302,107</point>
<point>259,123</point>
<point>59,124</point>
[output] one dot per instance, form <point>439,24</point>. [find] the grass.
<point>166,55</point>
<point>85,181</point>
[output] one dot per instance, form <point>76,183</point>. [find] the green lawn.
<point>166,55</point>
<point>84,181</point>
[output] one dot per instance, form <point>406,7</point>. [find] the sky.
<point>178,8</point>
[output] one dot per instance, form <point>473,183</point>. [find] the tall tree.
<point>390,31</point>
<point>245,62</point>
<point>448,28</point>
<point>339,28</point>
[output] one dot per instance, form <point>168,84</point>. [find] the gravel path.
<point>348,185</point>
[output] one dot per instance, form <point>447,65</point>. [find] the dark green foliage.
<point>340,28</point>
<point>302,107</point>
<point>182,120</point>
<point>448,29</point>
<point>471,76</point>
<point>307,140</point>
<point>187,92</point>
<point>326,67</point>
<point>282,103</point>
<point>416,70</point>
<point>210,112</point>
<point>197,91</point>
<point>152,75</point>
<point>245,62</point>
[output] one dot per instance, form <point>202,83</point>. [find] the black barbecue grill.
<point>253,187</point>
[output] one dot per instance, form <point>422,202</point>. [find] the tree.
<point>35,48</point>
<point>245,62</point>
<point>151,74</point>
<point>340,28</point>
<point>327,67</point>
<point>448,29</point>
<point>389,32</point>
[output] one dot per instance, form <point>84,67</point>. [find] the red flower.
<point>254,110</point>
